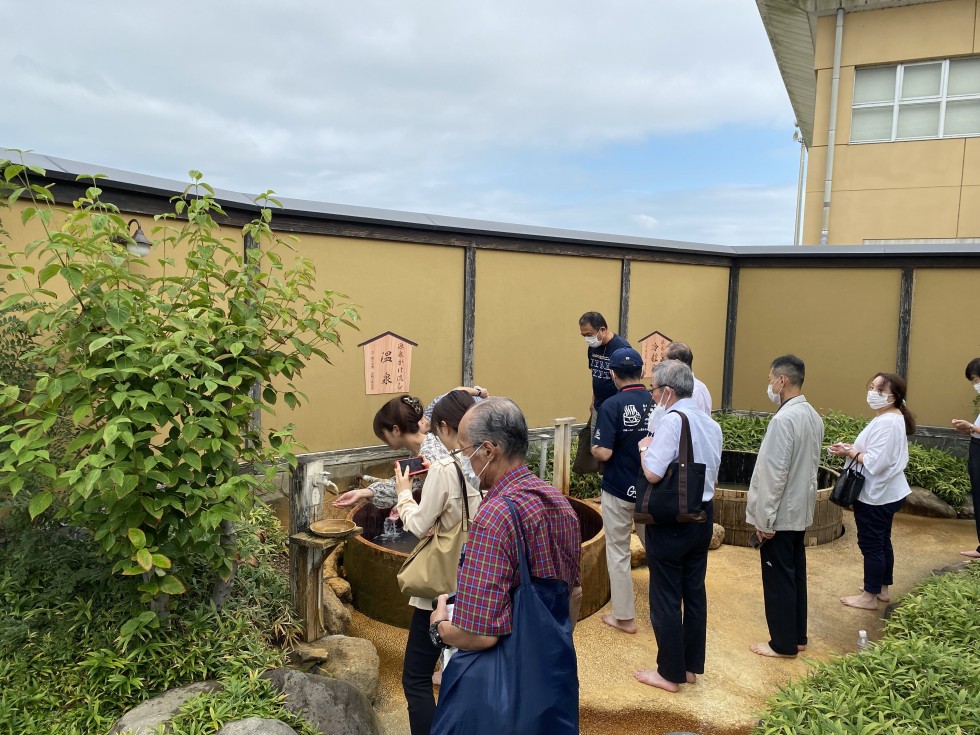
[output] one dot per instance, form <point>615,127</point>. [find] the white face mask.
<point>976,387</point>
<point>472,477</point>
<point>773,395</point>
<point>656,416</point>
<point>878,400</point>
<point>593,341</point>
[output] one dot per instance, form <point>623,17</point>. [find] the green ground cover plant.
<point>922,677</point>
<point>76,651</point>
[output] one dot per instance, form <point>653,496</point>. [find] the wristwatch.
<point>434,634</point>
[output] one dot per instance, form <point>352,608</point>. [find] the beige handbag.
<point>430,570</point>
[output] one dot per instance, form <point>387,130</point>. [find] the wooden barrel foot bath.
<point>371,567</point>
<point>731,497</point>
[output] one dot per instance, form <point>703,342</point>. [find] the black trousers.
<point>677,556</point>
<point>874,527</point>
<point>974,468</point>
<point>784,590</point>
<point>420,661</point>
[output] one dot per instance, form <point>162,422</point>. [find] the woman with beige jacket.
<point>441,508</point>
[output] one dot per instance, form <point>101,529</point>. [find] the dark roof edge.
<point>68,170</point>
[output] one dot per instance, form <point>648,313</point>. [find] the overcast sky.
<point>626,116</point>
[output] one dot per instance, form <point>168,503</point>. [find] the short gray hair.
<point>675,375</point>
<point>499,421</point>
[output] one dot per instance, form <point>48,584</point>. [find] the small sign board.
<point>387,364</point>
<point>653,350</point>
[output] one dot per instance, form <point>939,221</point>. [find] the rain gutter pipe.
<point>832,128</point>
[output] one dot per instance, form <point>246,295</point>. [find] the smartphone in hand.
<point>415,465</point>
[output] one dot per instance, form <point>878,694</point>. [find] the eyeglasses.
<point>456,452</point>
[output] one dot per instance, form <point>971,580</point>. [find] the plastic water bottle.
<point>863,641</point>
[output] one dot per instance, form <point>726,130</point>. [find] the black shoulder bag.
<point>677,498</point>
<point>848,486</point>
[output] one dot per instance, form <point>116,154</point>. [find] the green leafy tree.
<point>156,370</point>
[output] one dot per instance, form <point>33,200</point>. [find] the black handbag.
<point>848,486</point>
<point>677,498</point>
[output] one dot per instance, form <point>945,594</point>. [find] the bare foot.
<point>883,595</point>
<point>864,601</point>
<point>627,626</point>
<point>654,679</point>
<point>691,678</point>
<point>763,649</point>
<point>801,648</point>
<point>437,678</point>
<point>971,554</point>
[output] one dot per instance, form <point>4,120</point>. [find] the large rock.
<point>717,536</point>
<point>336,617</point>
<point>332,564</point>
<point>341,588</point>
<point>638,555</point>
<point>922,502</point>
<point>354,660</point>
<point>967,510</point>
<point>146,718</point>
<point>257,726</point>
<point>330,705</point>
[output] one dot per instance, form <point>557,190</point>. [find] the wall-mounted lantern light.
<point>140,244</point>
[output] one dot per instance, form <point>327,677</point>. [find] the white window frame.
<point>896,102</point>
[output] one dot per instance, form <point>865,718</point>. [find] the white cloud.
<point>371,102</point>
<point>645,221</point>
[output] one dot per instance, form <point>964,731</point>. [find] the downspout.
<point>832,128</point>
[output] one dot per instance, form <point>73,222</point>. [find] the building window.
<point>932,99</point>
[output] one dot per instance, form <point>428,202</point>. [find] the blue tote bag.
<point>528,682</point>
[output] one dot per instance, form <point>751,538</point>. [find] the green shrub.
<point>157,371</point>
<point>579,486</point>
<point>933,469</point>
<point>923,677</point>
<point>76,650</point>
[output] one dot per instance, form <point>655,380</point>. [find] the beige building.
<point>887,96</point>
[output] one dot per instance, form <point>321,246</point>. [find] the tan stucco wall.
<point>842,322</point>
<point>413,290</point>
<point>528,346</point>
<point>901,190</point>
<point>944,338</point>
<point>688,303</point>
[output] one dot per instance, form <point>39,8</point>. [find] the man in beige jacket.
<point>782,494</point>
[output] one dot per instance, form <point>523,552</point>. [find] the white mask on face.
<point>773,395</point>
<point>593,341</point>
<point>466,464</point>
<point>656,416</point>
<point>878,400</point>
<point>976,387</point>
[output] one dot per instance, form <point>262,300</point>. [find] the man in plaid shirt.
<point>493,444</point>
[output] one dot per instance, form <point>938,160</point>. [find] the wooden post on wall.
<point>624,300</point>
<point>469,312</point>
<point>905,322</point>
<point>255,392</point>
<point>728,376</point>
<point>561,469</point>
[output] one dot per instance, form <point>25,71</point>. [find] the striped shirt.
<point>491,567</point>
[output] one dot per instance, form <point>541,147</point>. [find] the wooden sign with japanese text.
<point>653,350</point>
<point>387,364</point>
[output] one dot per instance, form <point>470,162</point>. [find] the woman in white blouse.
<point>973,431</point>
<point>441,506</point>
<point>883,448</point>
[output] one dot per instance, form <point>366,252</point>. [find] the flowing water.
<point>396,538</point>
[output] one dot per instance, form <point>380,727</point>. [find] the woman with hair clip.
<point>883,448</point>
<point>397,424</point>
<point>441,508</point>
